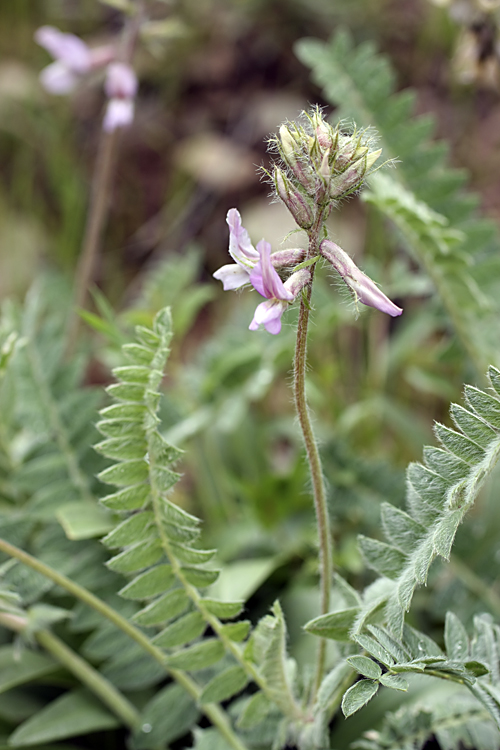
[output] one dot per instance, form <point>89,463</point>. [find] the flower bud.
<point>293,200</point>
<point>365,290</point>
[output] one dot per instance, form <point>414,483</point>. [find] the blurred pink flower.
<point>121,87</point>
<point>72,59</point>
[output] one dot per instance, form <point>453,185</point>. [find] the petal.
<point>269,314</point>
<point>369,294</point>
<point>264,277</point>
<point>240,247</point>
<point>67,48</point>
<point>119,113</point>
<point>232,276</point>
<point>121,81</point>
<point>56,78</point>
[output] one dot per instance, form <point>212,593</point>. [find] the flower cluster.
<point>73,60</point>
<point>319,167</point>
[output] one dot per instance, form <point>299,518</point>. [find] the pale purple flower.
<point>364,288</point>
<point>119,113</point>
<point>267,282</point>
<point>121,87</point>
<point>73,59</point>
<point>235,275</point>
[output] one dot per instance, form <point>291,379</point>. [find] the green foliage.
<point>423,197</point>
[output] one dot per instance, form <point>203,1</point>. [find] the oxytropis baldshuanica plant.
<point>320,165</point>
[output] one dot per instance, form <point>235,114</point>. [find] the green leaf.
<point>151,583</point>
<point>125,411</point>
<point>365,666</point>
<point>394,681</point>
<point>335,625</point>
<point>202,655</point>
<point>224,685</point>
<point>182,631</point>
<point>135,529</point>
<point>122,449</point>
<point>386,560</point>
<point>18,667</point>
<point>375,649</point>
<point>223,610</point>
<point>458,444</point>
<point>139,355</point>
<point>237,631</point>
<point>167,717</point>
<point>255,711</point>
<point>170,605</point>
<point>125,473</point>
<point>126,392</point>
<point>472,425</point>
<point>191,556</point>
<point>84,520</point>
<point>141,555</point>
<point>358,696</point>
<point>199,577</point>
<point>132,498</point>
<point>400,528</point>
<point>72,714</point>
<point>130,374</point>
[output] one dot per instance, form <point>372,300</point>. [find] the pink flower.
<point>267,282</point>
<point>235,275</point>
<point>365,290</point>
<point>72,59</point>
<point>121,87</point>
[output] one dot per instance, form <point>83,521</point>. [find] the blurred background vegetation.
<point>216,79</point>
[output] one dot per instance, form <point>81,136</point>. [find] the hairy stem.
<point>212,710</point>
<point>83,671</point>
<point>313,457</point>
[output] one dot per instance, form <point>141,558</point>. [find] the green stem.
<point>216,715</point>
<point>89,676</point>
<point>313,457</point>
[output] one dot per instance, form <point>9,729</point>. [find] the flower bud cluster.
<point>321,165</point>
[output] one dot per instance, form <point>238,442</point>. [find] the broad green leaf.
<point>134,529</point>
<point>196,657</point>
<point>126,392</point>
<point>132,498</point>
<point>335,625</point>
<point>139,355</point>
<point>199,577</point>
<point>122,449</point>
<point>130,412</point>
<point>70,715</point>
<point>182,631</point>
<point>167,716</point>
<point>375,649</point>
<point>386,560</point>
<point>224,685</point>
<point>170,605</point>
<point>237,631</point>
<point>365,666</point>
<point>358,696</point>
<point>139,556</point>
<point>223,610</point>
<point>394,681</point>
<point>255,711</point>
<point>151,583</point>
<point>19,667</point>
<point>125,473</point>
<point>84,520</point>
<point>191,556</point>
